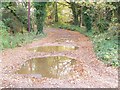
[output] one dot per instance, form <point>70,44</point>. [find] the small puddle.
<point>63,40</point>
<point>51,67</point>
<point>53,48</point>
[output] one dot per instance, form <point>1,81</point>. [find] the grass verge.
<point>17,40</point>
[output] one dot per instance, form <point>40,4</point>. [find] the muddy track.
<point>89,72</point>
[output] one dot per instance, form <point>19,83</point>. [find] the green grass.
<point>8,40</point>
<point>105,44</point>
<point>17,40</point>
<point>106,48</point>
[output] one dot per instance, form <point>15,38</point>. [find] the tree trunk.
<point>118,14</point>
<point>29,16</point>
<point>40,15</point>
<point>56,12</point>
<point>75,13</point>
<point>81,21</point>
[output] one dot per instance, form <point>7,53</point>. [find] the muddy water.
<point>53,48</point>
<point>51,67</point>
<point>63,40</point>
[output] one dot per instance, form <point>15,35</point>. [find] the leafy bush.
<point>87,21</point>
<point>106,48</point>
<point>11,41</point>
<point>68,27</point>
<point>14,16</point>
<point>40,14</point>
<point>102,25</point>
<point>87,18</point>
<point>3,35</point>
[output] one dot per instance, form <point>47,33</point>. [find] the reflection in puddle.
<point>53,48</point>
<point>51,67</point>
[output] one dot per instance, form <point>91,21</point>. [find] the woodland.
<point>44,33</point>
<point>22,21</point>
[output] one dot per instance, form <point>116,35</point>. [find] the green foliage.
<point>68,27</point>
<point>40,14</point>
<point>3,35</point>
<point>17,40</point>
<point>74,9</point>
<point>102,25</point>
<point>14,16</point>
<point>114,20</point>
<point>106,47</point>
<point>87,18</point>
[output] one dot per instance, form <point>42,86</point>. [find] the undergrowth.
<point>105,44</point>
<point>8,40</point>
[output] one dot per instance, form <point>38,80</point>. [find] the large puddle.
<point>53,48</point>
<point>51,67</point>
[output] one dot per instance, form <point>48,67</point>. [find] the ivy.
<point>87,18</point>
<point>40,14</point>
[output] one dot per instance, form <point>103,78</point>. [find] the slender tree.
<point>56,12</point>
<point>87,18</point>
<point>74,9</point>
<point>40,14</point>
<point>29,15</point>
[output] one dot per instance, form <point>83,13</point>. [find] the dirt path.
<point>89,72</point>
